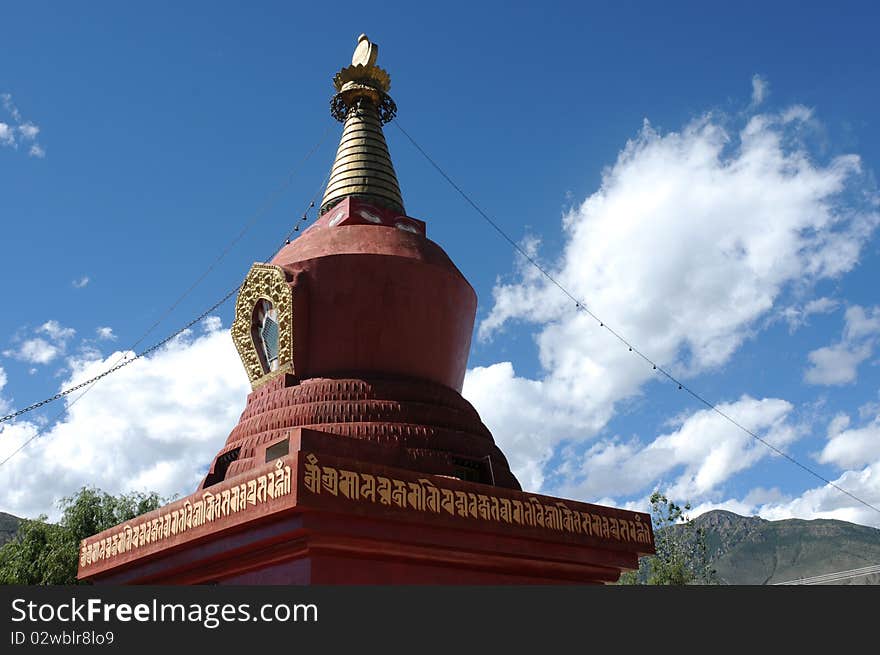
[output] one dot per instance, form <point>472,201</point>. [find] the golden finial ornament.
<point>365,53</point>
<point>363,165</point>
<point>363,79</point>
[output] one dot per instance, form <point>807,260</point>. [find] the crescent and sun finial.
<point>365,53</point>
<point>363,79</point>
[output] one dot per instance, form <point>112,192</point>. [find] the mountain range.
<point>749,550</point>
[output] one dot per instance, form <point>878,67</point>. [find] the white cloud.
<point>693,240</point>
<point>762,496</point>
<point>106,333</point>
<point>838,424</point>
<point>42,350</point>
<point>797,316</point>
<point>7,135</point>
<point>860,324</point>
<point>10,107</point>
<point>824,501</point>
<point>28,131</point>
<point>20,130</point>
<point>56,331</point>
<point>797,114</point>
<point>212,324</point>
<point>79,283</point>
<point>35,351</point>
<point>153,425</point>
<point>838,363</point>
<point>834,365</point>
<point>760,89</point>
<point>524,417</point>
<point>4,404</point>
<point>701,454</point>
<point>852,448</point>
<point>869,409</point>
<point>740,507</point>
<point>828,502</point>
<point>821,306</point>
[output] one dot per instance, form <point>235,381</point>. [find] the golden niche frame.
<point>263,282</point>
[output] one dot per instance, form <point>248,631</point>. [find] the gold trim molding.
<point>263,282</point>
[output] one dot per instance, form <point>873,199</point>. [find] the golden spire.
<point>363,166</point>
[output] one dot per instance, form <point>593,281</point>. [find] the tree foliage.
<point>682,555</point>
<point>46,553</point>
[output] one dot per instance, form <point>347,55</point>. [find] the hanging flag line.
<point>126,360</point>
<point>266,206</point>
<point>582,307</point>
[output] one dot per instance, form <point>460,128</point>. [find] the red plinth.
<point>329,512</point>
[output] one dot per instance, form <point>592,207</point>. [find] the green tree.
<point>682,555</point>
<point>46,553</point>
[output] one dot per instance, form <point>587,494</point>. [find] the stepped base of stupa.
<point>328,512</point>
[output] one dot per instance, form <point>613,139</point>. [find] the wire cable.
<point>581,306</point>
<point>304,218</point>
<point>261,210</point>
<point>264,207</point>
<point>834,577</point>
<point>89,384</point>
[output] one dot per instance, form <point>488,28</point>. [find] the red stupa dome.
<point>361,327</point>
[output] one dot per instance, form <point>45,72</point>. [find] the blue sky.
<point>704,178</point>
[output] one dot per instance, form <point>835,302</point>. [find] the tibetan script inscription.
<point>425,496</point>
<point>209,508</point>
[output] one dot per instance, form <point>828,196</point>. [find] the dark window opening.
<point>469,470</point>
<point>277,450</point>
<point>221,466</point>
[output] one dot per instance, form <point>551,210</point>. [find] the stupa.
<point>356,459</point>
